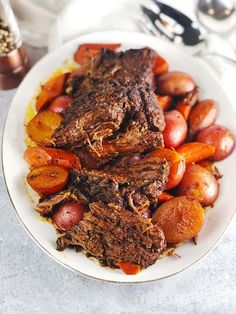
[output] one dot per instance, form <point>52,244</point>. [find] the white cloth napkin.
<point>52,22</point>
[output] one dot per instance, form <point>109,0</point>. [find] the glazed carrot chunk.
<point>129,268</point>
<point>86,51</point>
<point>48,180</point>
<point>43,156</point>
<point>164,101</point>
<point>184,108</point>
<point>41,128</point>
<point>177,165</point>
<point>180,219</point>
<point>164,197</point>
<point>160,66</point>
<point>50,90</point>
<point>195,151</point>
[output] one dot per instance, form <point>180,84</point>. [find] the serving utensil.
<point>167,22</point>
<point>217,16</point>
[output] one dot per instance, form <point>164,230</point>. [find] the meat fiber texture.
<point>116,227</point>
<point>116,112</point>
<point>135,185</point>
<point>113,234</point>
<point>125,66</point>
<point>112,122</point>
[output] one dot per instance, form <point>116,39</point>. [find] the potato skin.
<point>219,137</point>
<point>174,83</point>
<point>180,218</point>
<point>175,130</point>
<point>202,116</point>
<point>68,215</point>
<point>200,183</point>
<point>60,103</point>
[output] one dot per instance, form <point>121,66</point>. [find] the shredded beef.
<point>113,234</point>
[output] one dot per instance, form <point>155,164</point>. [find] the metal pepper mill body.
<point>14,63</point>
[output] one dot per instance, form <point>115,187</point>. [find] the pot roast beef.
<point>134,185</point>
<point>124,66</point>
<point>113,121</point>
<point>112,234</point>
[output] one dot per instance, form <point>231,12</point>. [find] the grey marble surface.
<point>31,282</point>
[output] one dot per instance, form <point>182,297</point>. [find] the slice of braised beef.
<point>112,234</point>
<point>125,66</point>
<point>135,185</point>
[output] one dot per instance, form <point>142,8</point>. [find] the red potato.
<point>200,183</point>
<point>176,162</point>
<point>42,156</point>
<point>219,137</point>
<point>174,84</point>
<point>164,197</point>
<point>48,180</point>
<point>202,115</point>
<point>180,218</point>
<point>175,130</point>
<point>60,103</point>
<point>210,166</point>
<point>68,214</point>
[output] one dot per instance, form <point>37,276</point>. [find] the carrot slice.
<point>209,165</point>
<point>195,151</point>
<point>184,108</point>
<point>42,156</point>
<point>177,165</point>
<point>160,66</point>
<point>50,90</point>
<point>164,197</point>
<point>129,268</point>
<point>180,219</point>
<point>48,180</point>
<point>185,105</point>
<point>41,128</point>
<point>86,51</point>
<point>164,101</point>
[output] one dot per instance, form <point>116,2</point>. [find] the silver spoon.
<point>217,9</point>
<point>177,27</point>
<point>217,16</point>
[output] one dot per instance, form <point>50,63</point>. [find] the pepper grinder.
<point>14,63</point>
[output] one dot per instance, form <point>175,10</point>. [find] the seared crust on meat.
<point>125,66</point>
<point>113,234</point>
<point>113,121</point>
